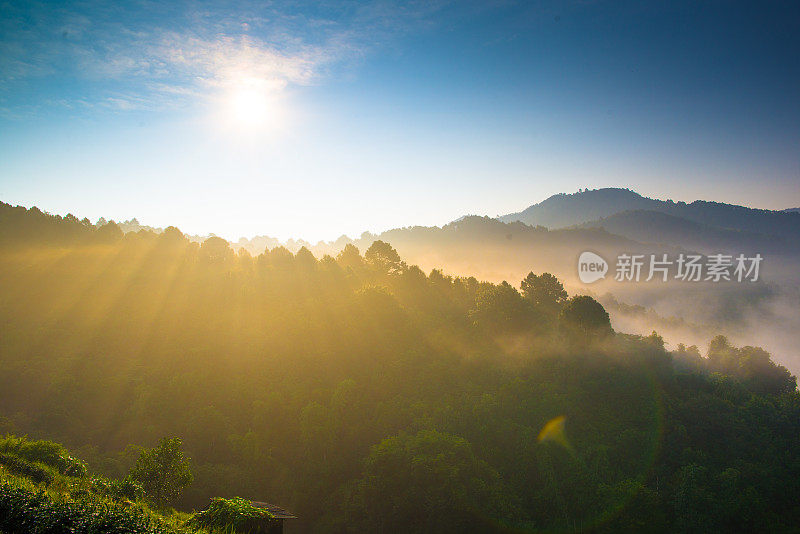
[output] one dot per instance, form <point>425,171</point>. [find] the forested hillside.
<point>657,227</point>
<point>369,396</point>
<point>563,210</point>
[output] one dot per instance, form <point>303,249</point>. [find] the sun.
<point>252,105</point>
<point>249,106</point>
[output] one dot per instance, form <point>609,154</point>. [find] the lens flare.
<point>554,432</point>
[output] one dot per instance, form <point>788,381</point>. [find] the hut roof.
<point>277,511</point>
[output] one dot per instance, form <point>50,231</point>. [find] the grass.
<point>231,515</point>
<point>44,490</point>
<point>44,452</point>
<point>70,504</point>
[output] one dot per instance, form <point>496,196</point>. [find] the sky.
<point>315,119</point>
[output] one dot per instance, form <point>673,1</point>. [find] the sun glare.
<point>249,106</point>
<point>252,105</point>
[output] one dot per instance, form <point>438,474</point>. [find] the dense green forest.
<point>368,396</point>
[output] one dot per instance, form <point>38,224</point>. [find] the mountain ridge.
<point>565,210</point>
<point>657,227</point>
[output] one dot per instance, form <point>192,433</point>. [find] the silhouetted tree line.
<point>368,396</point>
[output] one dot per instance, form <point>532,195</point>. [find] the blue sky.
<point>314,119</point>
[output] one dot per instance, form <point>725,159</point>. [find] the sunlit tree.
<point>163,471</point>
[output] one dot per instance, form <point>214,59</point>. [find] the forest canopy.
<point>367,395</point>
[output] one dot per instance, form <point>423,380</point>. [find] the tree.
<point>380,306</point>
<point>305,259</point>
<point>109,232</point>
<point>384,258</point>
<point>163,471</point>
<point>584,319</point>
<point>279,257</point>
<point>544,291</point>
<point>502,309</point>
<point>216,250</point>
<point>721,354</point>
<point>350,257</point>
<point>172,236</point>
<point>752,366</point>
<point>429,482</point>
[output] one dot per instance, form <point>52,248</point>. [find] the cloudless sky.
<point>314,119</point>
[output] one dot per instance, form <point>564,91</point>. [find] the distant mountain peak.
<point>603,191</point>
<point>586,206</point>
<point>568,209</point>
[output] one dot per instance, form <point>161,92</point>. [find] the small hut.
<point>242,515</point>
<point>273,526</point>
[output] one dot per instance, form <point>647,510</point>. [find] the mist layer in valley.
<point>550,236</point>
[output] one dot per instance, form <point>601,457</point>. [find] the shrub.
<point>236,513</point>
<point>20,467</point>
<point>127,488</point>
<point>35,513</point>
<point>46,452</point>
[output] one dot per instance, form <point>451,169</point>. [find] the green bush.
<point>127,488</point>
<point>46,452</point>
<point>18,466</point>
<point>35,513</point>
<point>236,513</point>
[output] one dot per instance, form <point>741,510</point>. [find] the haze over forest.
<point>357,389</point>
<point>612,222</point>
<point>399,266</point>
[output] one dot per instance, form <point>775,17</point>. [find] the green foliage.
<point>70,504</point>
<point>236,514</point>
<point>347,387</point>
<point>428,482</point>
<point>584,319</point>
<point>750,365</point>
<point>501,309</point>
<point>18,466</point>
<point>126,488</point>
<point>544,291</point>
<point>384,258</point>
<point>163,471</point>
<point>45,452</point>
<point>29,512</point>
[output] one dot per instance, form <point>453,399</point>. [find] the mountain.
<point>564,210</point>
<point>791,210</point>
<point>493,250</point>
<point>657,227</point>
